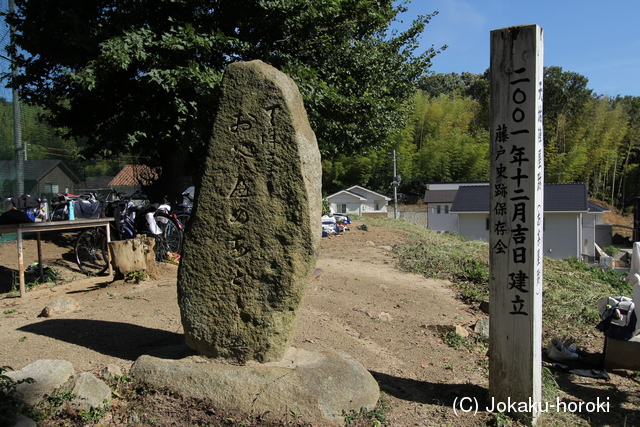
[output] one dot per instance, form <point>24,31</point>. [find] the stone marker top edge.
<point>516,27</point>
<point>282,82</point>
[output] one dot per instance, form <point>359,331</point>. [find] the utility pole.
<point>396,181</point>
<point>20,152</point>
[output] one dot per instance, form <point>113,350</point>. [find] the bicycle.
<point>184,215</point>
<point>129,221</point>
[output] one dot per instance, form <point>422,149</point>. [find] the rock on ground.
<point>317,385</point>
<point>48,375</point>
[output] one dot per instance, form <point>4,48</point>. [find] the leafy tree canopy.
<point>140,76</point>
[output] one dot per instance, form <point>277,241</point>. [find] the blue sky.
<point>595,38</point>
<point>599,39</point>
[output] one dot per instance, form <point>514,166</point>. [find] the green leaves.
<point>140,77</point>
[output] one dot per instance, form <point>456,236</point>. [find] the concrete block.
<point>620,354</point>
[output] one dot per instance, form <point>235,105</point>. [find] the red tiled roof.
<point>134,175</point>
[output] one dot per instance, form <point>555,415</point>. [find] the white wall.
<point>355,205</point>
<point>370,206</point>
<point>473,226</point>
<point>351,208</point>
<point>444,186</point>
<point>562,231</point>
<point>442,221</point>
<point>587,246</point>
<point>352,203</point>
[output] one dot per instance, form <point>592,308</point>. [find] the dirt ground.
<point>360,305</point>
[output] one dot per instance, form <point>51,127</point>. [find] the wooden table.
<point>37,227</point>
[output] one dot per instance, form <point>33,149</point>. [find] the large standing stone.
<point>255,231</point>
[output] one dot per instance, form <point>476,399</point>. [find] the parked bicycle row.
<point>132,216</point>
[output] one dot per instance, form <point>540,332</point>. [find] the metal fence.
<point>419,217</point>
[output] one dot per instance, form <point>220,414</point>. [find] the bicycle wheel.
<point>91,251</point>
<point>183,218</point>
<point>170,238</point>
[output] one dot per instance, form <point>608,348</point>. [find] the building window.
<point>50,188</point>
<point>342,209</point>
<point>487,223</point>
<point>446,209</point>
<point>439,208</point>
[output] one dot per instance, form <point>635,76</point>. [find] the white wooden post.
<point>516,219</point>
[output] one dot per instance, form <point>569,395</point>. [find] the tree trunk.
<point>132,255</point>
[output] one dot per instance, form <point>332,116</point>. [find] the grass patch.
<point>376,417</point>
<point>456,341</point>
<point>137,276</point>
<point>571,291</point>
<point>443,256</point>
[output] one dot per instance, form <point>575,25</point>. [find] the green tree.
<point>565,97</point>
<point>594,149</point>
<point>442,142</point>
<point>436,84</point>
<point>629,186</point>
<point>474,86</point>
<point>140,76</point>
<point>6,130</point>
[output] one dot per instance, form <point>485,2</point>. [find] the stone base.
<point>315,385</point>
<point>620,354</point>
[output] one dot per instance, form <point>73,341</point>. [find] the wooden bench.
<point>38,227</point>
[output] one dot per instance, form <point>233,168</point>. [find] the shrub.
<point>10,405</point>
<point>611,251</point>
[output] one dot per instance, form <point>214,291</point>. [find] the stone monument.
<point>256,226</point>
<point>248,256</point>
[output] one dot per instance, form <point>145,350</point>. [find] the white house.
<point>570,227</point>
<point>438,199</point>
<point>358,201</point>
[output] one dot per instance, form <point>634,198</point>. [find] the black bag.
<point>60,213</point>
<point>60,198</point>
<point>25,202</point>
<point>14,216</point>
<point>86,208</point>
<point>618,317</point>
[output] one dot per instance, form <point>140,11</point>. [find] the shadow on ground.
<point>598,408</point>
<point>582,398</point>
<point>426,392</point>
<point>9,279</point>
<point>121,340</point>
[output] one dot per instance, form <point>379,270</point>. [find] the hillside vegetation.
<point>570,287</point>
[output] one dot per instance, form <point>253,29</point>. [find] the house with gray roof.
<point>42,178</point>
<point>359,201</point>
<point>572,224</point>
<point>438,199</point>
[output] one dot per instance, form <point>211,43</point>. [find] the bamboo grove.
<point>588,138</point>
